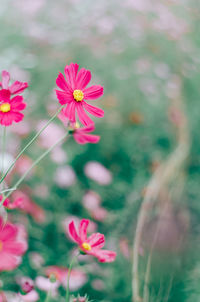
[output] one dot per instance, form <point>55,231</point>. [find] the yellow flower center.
<point>78,95</point>
<point>1,245</point>
<point>86,246</point>
<point>5,107</point>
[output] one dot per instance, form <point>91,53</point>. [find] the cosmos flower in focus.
<point>16,88</point>
<point>91,245</point>
<point>10,108</point>
<point>12,246</point>
<point>74,94</point>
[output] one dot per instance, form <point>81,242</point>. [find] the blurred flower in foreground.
<point>98,173</point>
<point>74,93</point>
<point>91,245</point>
<point>92,202</point>
<point>46,285</point>
<point>77,277</point>
<point>16,88</point>
<point>12,246</point>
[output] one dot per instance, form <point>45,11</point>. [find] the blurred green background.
<point>145,54</point>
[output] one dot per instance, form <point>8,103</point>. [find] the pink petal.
<point>93,110</point>
<point>71,73</point>
<point>5,79</point>
<point>93,92</point>
<point>83,78</point>
<point>17,116</point>
<point>8,262</point>
<point>86,138</point>
<point>62,84</point>
<point>18,87</point>
<point>88,128</point>
<point>103,255</point>
<point>8,231</point>
<point>73,233</point>
<point>96,240</point>
<point>4,95</point>
<point>83,229</point>
<point>69,111</point>
<point>64,97</point>
<point>13,247</point>
<point>17,103</point>
<point>84,118</point>
<point>6,119</point>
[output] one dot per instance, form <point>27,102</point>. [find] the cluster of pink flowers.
<point>73,97</point>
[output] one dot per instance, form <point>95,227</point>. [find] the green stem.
<point>68,277</point>
<point>32,166</point>
<point>3,151</point>
<point>30,143</point>
<point>48,297</point>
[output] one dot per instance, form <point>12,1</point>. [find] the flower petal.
<point>62,84</point>
<point>17,103</point>
<point>73,233</point>
<point>86,138</point>
<point>94,92</point>
<point>5,79</point>
<point>84,118</point>
<point>18,87</point>
<point>96,240</point>
<point>71,73</point>
<point>83,229</point>
<point>5,95</point>
<point>98,112</point>
<point>103,255</point>
<point>83,78</point>
<point>64,97</point>
<point>69,111</point>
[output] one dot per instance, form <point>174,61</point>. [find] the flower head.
<point>10,108</point>
<point>12,246</point>
<point>74,94</point>
<point>16,88</point>
<point>91,245</point>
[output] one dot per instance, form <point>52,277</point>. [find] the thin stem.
<point>3,151</point>
<point>68,277</point>
<point>48,297</point>
<point>30,143</point>
<point>33,165</point>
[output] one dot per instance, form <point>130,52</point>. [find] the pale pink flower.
<point>46,285</point>
<point>32,296</point>
<point>65,176</point>
<point>50,135</point>
<point>23,164</point>
<point>91,245</point>
<point>11,246</point>
<point>74,93</point>
<point>98,173</point>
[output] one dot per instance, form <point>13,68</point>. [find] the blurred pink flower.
<point>98,173</point>
<point>77,277</point>
<point>23,202</point>
<point>65,176</point>
<point>52,133</point>
<point>22,129</point>
<point>32,296</point>
<point>91,245</point>
<point>12,246</point>
<point>45,284</point>
<point>92,201</point>
<point>36,259</point>
<point>23,164</point>
<point>74,93</point>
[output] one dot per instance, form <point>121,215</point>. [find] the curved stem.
<point>68,277</point>
<point>30,143</point>
<point>3,150</point>
<point>32,166</point>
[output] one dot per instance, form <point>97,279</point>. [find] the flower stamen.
<point>5,107</point>
<point>78,95</point>
<point>86,246</point>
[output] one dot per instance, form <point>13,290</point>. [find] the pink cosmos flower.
<point>97,172</point>
<point>81,135</point>
<point>11,246</point>
<point>10,108</point>
<point>91,245</point>
<point>74,94</point>
<point>77,277</point>
<point>16,88</point>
